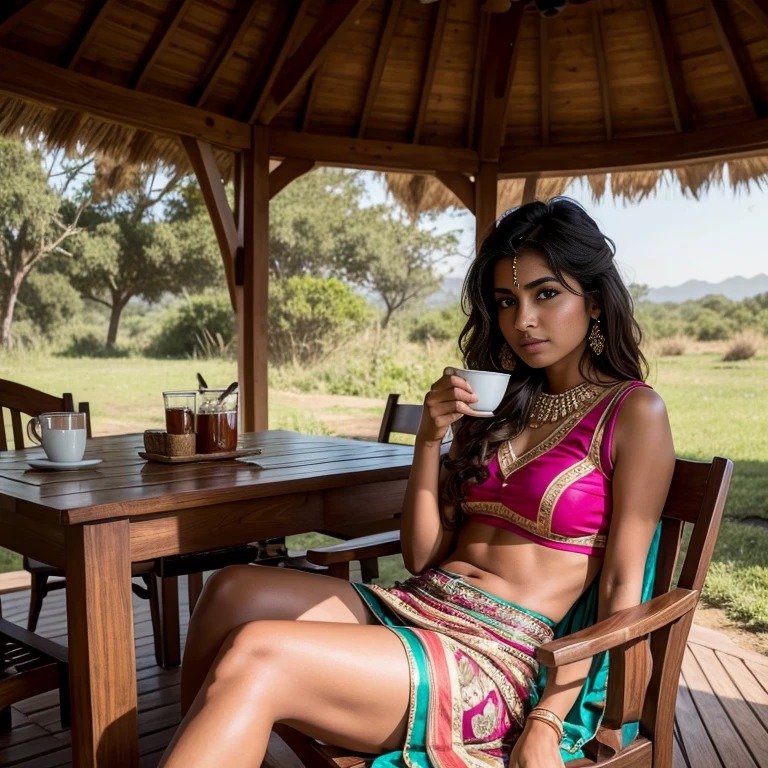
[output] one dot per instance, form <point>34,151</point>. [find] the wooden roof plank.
<point>170,22</point>
<point>286,24</point>
<point>238,27</point>
<point>14,15</point>
<point>29,78</point>
<point>93,16</point>
<point>747,80</point>
<point>320,41</point>
<point>598,37</point>
<point>475,104</point>
<point>544,78</point>
<point>441,14</point>
<point>498,72</point>
<point>674,81</point>
<point>387,33</point>
<point>757,9</point>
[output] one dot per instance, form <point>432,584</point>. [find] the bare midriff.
<point>542,579</point>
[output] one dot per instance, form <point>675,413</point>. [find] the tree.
<point>399,259</point>
<point>33,222</point>
<point>130,252</point>
<point>639,292</point>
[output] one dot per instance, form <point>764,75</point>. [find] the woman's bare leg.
<point>244,593</point>
<point>345,684</point>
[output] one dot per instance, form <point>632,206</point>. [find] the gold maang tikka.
<point>514,271</point>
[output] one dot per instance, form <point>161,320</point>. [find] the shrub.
<point>186,324</point>
<point>309,317</point>
<point>437,325</point>
<point>744,346</point>
<point>90,345</point>
<point>673,347</point>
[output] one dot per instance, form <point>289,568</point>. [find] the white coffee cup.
<point>62,435</point>
<point>488,386</point>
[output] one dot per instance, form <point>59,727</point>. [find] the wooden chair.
<point>646,643</point>
<point>29,664</point>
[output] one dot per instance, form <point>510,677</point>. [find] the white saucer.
<point>48,464</point>
<point>486,414</point>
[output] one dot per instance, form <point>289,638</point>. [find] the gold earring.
<point>507,358</point>
<point>596,338</point>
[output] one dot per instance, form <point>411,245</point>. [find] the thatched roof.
<point>629,87</point>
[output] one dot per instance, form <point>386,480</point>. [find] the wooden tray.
<point>161,459</point>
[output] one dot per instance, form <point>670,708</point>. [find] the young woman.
<point>541,513</point>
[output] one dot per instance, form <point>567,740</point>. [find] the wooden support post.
<point>102,661</point>
<point>253,294</point>
<point>486,200</point>
<point>203,163</point>
<point>529,190</point>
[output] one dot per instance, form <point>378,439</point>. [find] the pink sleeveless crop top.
<point>557,494</point>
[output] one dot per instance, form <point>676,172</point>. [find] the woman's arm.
<point>424,539</point>
<point>643,466</point>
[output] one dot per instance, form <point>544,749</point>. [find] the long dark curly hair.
<point>570,240</point>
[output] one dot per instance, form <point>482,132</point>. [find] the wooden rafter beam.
<point>203,164</point>
<point>679,103</point>
<point>286,24</point>
<point>15,14</point>
<point>370,154</point>
<point>289,170</point>
<point>28,78</point>
<point>757,9</point>
<point>461,186</point>
<point>475,103</point>
<point>159,40</point>
<point>387,33</point>
<point>238,27</point>
<point>309,105</point>
<point>544,89</point>
<point>725,142</point>
<point>747,79</point>
<point>598,39</point>
<point>90,21</point>
<point>320,41</point>
<point>441,14</point>
<point>499,70</point>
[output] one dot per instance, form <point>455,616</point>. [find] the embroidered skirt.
<point>472,666</point>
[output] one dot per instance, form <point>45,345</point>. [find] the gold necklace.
<point>550,408</point>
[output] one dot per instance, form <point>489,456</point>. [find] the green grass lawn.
<point>715,408</point>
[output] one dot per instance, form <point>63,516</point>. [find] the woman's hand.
<point>537,747</point>
<point>447,401</point>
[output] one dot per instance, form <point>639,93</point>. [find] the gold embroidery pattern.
<point>497,509</point>
<point>597,440</point>
<point>509,463</point>
<point>555,490</point>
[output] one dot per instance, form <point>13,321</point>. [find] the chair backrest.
<point>20,399</point>
<point>402,418</point>
<point>696,497</point>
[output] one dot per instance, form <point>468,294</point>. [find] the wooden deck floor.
<point>722,707</point>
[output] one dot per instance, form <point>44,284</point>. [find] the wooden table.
<point>95,522</point>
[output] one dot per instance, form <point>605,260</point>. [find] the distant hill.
<point>736,288</point>
<point>448,295</point>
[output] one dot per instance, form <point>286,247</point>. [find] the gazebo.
<point>470,92</point>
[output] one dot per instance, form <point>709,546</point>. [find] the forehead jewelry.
<point>514,271</point>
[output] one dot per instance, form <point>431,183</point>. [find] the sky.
<point>665,240</point>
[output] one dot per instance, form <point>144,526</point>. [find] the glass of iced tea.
<point>216,421</point>
<point>180,412</point>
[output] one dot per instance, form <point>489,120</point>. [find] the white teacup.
<point>62,435</point>
<point>488,386</point>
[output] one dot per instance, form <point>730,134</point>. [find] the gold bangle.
<point>549,717</point>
